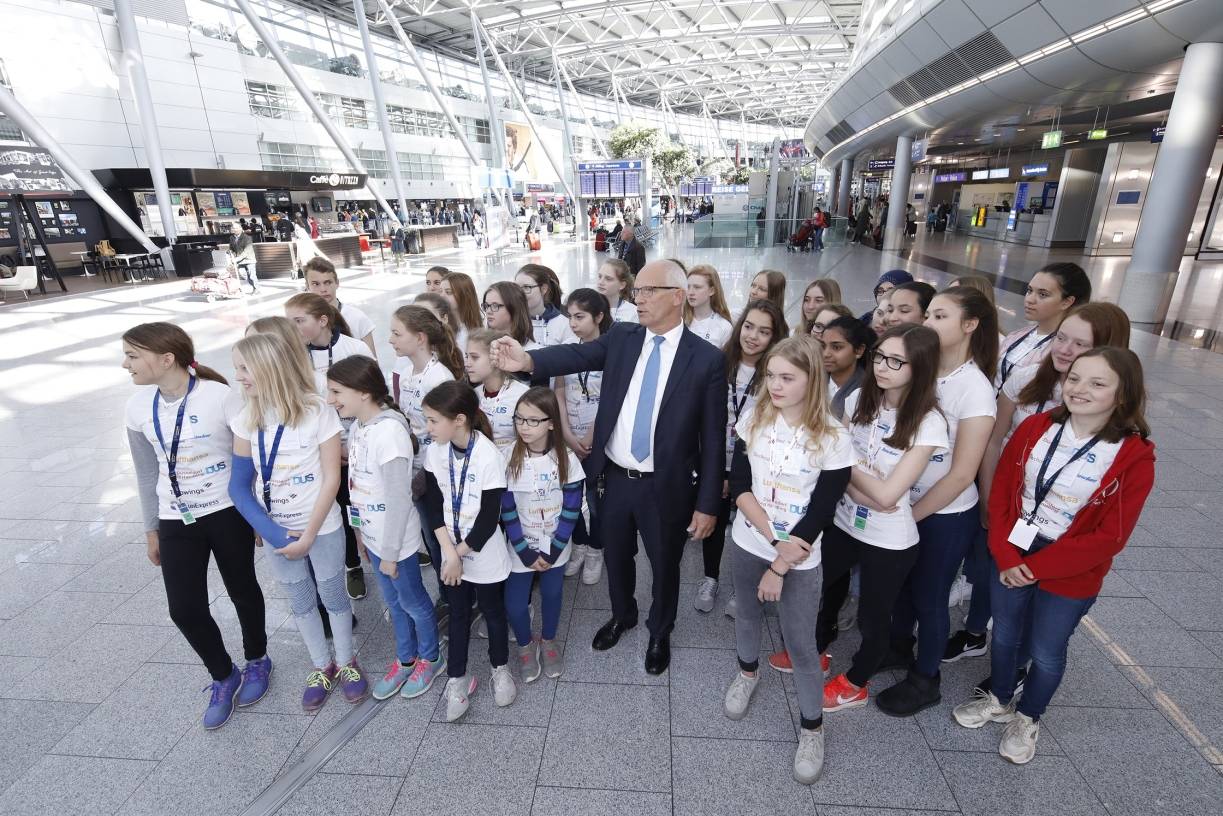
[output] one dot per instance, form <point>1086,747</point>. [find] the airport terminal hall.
<point>592,408</point>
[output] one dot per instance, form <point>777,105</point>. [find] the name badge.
<point>1023,534</point>
<point>779,531</point>
<point>860,517</point>
<point>185,512</point>
<point>354,517</point>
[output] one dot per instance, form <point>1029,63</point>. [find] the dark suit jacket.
<point>633,254</point>
<point>689,436</point>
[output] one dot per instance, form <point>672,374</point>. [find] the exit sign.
<point>1097,133</point>
<point>1051,140</point>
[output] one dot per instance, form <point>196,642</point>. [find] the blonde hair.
<point>717,301</point>
<point>283,328</point>
<point>283,393</point>
<point>804,353</point>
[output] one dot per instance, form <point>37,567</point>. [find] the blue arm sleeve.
<point>241,477</point>
<point>513,529</point>
<point>571,511</point>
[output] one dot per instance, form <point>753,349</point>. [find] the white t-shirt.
<point>358,321</point>
<point>485,472</point>
<point>370,447</point>
<point>896,530</point>
<point>205,445</point>
<point>624,312</point>
<point>1074,485</point>
<point>582,392</point>
<point>785,468</point>
<point>460,339</point>
<point>412,389</point>
<point>963,394</point>
<point>1021,347</point>
<point>499,409</point>
<point>297,471</point>
<point>714,329</point>
<point>738,404</point>
<point>552,332</point>
<point>345,346</point>
<point>1019,380</point>
<point>538,496</point>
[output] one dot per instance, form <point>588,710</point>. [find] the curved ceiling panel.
<point>1195,22</point>
<point>1143,43</point>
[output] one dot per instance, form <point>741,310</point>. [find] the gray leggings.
<point>800,601</point>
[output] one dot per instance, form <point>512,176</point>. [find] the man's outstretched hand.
<point>509,356</point>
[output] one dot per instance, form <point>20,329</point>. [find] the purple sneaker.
<point>255,679</point>
<point>352,682</point>
<point>221,702</point>
<point>318,686</point>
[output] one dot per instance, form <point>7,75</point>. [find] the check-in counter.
<point>276,259</point>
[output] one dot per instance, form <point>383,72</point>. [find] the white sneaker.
<point>576,558</point>
<point>528,662</point>
<point>504,689</point>
<point>592,570</point>
<point>706,592</point>
<point>458,696</point>
<point>1019,739</point>
<point>961,591</point>
<point>739,695</point>
<point>731,608</point>
<point>983,708</point>
<point>809,758</point>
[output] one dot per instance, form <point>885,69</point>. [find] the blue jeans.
<point>946,538</point>
<point>981,573</point>
<point>518,599</point>
<point>432,545</point>
<point>818,241</point>
<point>1046,621</point>
<point>411,610</point>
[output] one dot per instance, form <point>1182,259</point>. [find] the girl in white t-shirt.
<point>896,427</point>
<point>759,328</point>
<point>286,472</point>
<point>498,391</point>
<point>944,498</point>
<point>178,430</point>
<point>791,466</point>
<point>540,510</point>
<point>505,310</point>
<point>465,480</point>
<point>1052,292</point>
<point>322,279</point>
<point>705,310</point>
<point>578,398</point>
<point>380,480</point>
<point>614,281</point>
<point>542,290</point>
<point>460,290</point>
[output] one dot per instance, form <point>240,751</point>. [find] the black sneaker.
<point>423,558</point>
<point>356,583</point>
<point>986,686</point>
<point>965,644</point>
<point>913,694</point>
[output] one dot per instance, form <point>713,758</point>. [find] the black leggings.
<point>185,550</point>
<point>491,600</point>
<point>352,558</point>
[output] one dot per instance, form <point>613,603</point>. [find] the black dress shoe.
<point>658,655</point>
<point>609,634</point>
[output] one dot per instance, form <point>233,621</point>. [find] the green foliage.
<point>737,175</point>
<point>674,163</point>
<point>633,141</point>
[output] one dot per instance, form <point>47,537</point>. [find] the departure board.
<point>617,184</point>
<point>602,184</point>
<point>587,183</point>
<point>632,184</point>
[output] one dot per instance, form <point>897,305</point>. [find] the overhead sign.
<point>792,149</point>
<point>946,178</point>
<point>880,164</point>
<point>918,151</point>
<point>1050,140</point>
<point>31,170</point>
<point>623,164</point>
<point>1096,134</point>
<point>326,181</point>
<point>729,189</point>
<point>1000,173</point>
<point>980,175</point>
<point>1157,134</point>
<point>1034,170</point>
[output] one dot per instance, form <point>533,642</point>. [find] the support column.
<point>375,81</point>
<point>770,196</point>
<point>1176,184</point>
<point>133,59</point>
<point>902,170</point>
<point>582,107</point>
<point>847,170</point>
<point>496,130</point>
<point>580,227</point>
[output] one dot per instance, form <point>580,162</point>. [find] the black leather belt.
<point>629,472</point>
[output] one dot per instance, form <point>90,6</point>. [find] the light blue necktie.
<point>645,403</point>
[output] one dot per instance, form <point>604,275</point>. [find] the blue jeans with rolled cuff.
<point>411,609</point>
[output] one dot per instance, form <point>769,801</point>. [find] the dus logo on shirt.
<point>303,480</point>
<point>375,508</point>
<point>217,468</point>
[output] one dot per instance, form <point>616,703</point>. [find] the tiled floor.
<point>100,705</point>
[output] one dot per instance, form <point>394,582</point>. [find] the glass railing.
<point>723,231</point>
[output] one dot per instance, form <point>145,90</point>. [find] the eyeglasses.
<point>817,329</point>
<point>649,291</point>
<point>530,422</point>
<point>882,290</point>
<point>894,363</point>
<point>492,308</point>
<point>528,288</point>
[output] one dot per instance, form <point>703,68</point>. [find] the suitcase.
<point>601,241</point>
<point>213,287</point>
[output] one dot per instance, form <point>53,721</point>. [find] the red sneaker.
<point>839,693</point>
<point>781,662</point>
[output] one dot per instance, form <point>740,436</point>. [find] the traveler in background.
<point>242,250</point>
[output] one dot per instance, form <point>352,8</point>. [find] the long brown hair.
<point>920,397</point>
<point>979,282</point>
<point>466,301</point>
<point>776,286</point>
<point>167,338</point>
<point>803,352</point>
<point>733,351</point>
<point>717,301</point>
<point>361,374</point>
<point>624,274</point>
<point>317,306</point>
<point>440,307</point>
<point>983,345</point>
<point>1110,326</point>
<point>452,398</point>
<point>544,276</point>
<point>420,320</point>
<point>543,399</point>
<point>831,290</point>
<point>1129,415</point>
<point>516,302</point>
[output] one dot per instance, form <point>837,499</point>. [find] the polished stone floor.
<point>99,711</point>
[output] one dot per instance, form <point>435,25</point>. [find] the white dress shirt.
<point>620,446</point>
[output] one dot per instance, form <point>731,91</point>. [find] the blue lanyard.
<point>1007,365</point>
<point>172,453</point>
<point>736,401</point>
<point>266,464</point>
<point>1042,487</point>
<point>330,347</point>
<point>456,496</point>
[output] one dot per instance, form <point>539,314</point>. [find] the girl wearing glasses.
<point>705,310</point>
<point>614,281</point>
<point>896,427</point>
<point>498,392</point>
<point>542,290</point>
<point>540,510</point>
<point>1069,489</point>
<point>761,326</point>
<point>1052,292</point>
<point>826,315</point>
<point>465,480</point>
<point>505,310</point>
<point>945,496</point>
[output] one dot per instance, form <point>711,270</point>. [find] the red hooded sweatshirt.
<point>1075,564</point>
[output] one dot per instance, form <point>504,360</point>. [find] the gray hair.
<point>677,274</point>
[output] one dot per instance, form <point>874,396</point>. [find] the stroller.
<point>218,283</point>
<point>801,240</point>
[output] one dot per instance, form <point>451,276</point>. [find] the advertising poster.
<point>31,170</point>
<point>497,225</point>
<point>208,204</point>
<point>792,149</point>
<point>242,203</point>
<point>525,157</point>
<point>225,204</point>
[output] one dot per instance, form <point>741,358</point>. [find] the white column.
<point>770,196</point>
<point>496,131</point>
<point>580,227</point>
<point>902,170</point>
<point>1176,185</point>
<point>375,81</point>
<point>847,170</point>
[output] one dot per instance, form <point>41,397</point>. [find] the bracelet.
<point>775,572</point>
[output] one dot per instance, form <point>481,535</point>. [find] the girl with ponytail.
<point>325,331</point>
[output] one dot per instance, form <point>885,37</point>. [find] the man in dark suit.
<point>632,252</point>
<point>661,419</point>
